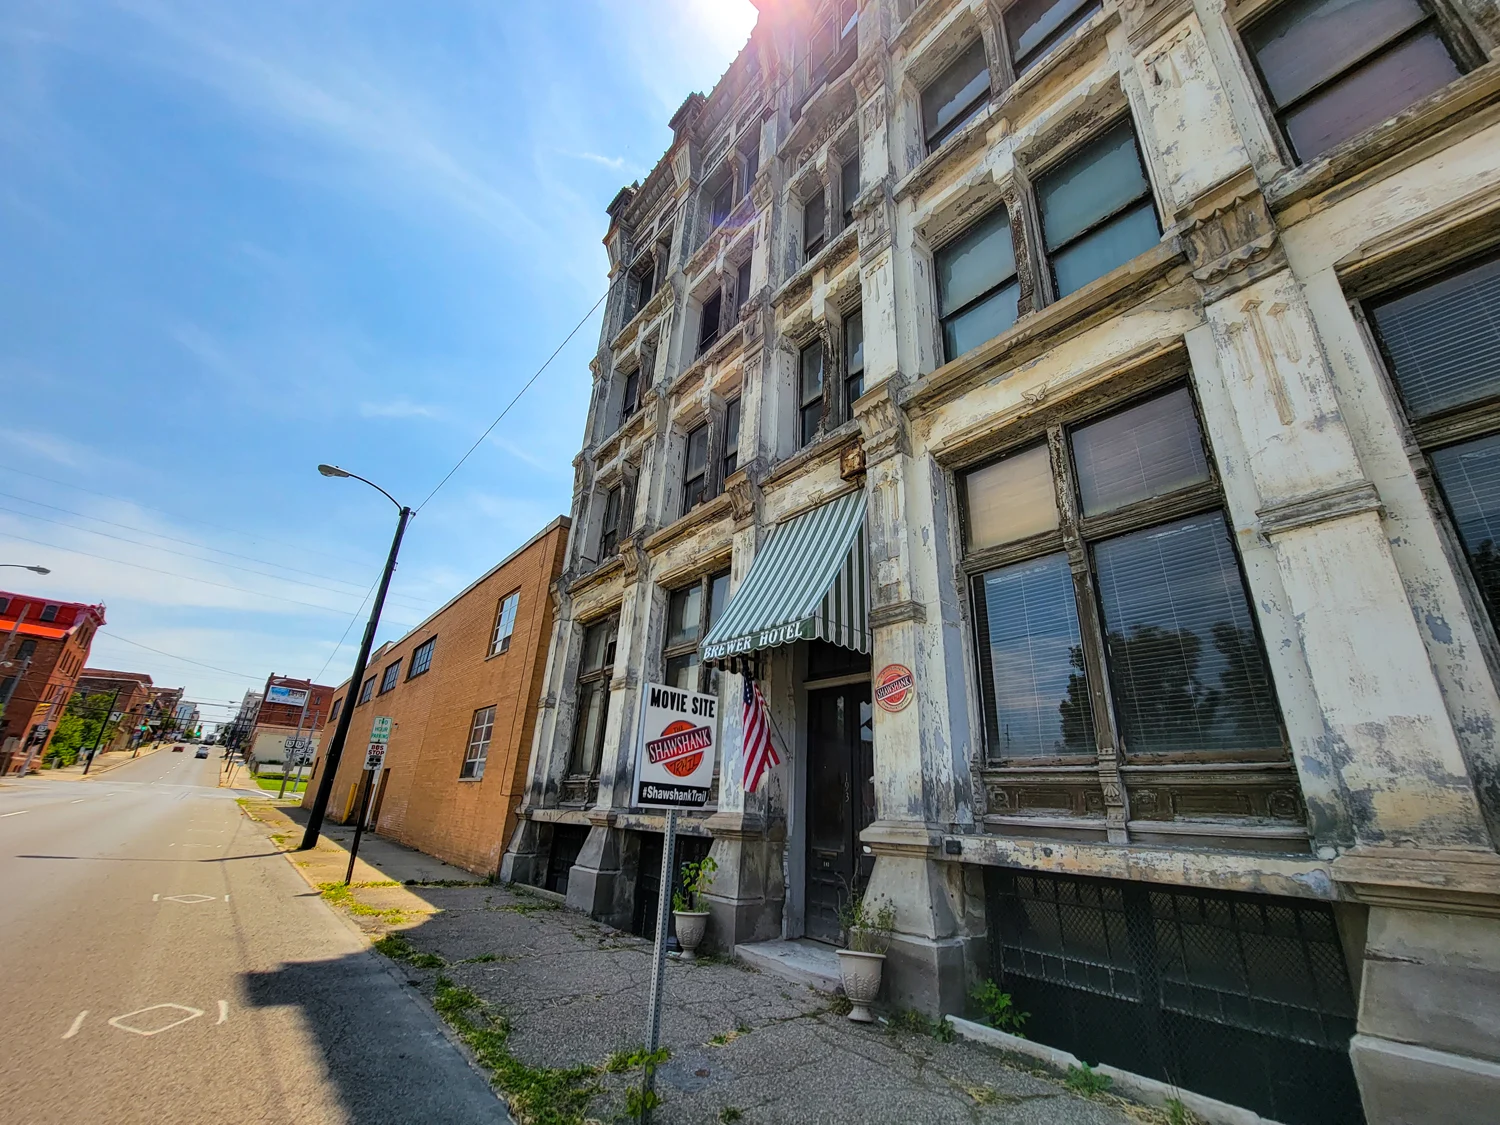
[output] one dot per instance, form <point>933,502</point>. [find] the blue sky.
<point>239,239</point>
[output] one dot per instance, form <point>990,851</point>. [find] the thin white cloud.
<point>398,408</point>
<point>58,450</point>
<point>615,162</point>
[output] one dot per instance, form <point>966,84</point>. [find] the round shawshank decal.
<point>894,687</point>
<point>680,747</point>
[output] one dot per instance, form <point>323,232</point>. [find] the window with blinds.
<point>1441,341</point>
<point>1117,623</point>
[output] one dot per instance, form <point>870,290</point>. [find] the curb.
<point>1135,1086</point>
<point>414,995</point>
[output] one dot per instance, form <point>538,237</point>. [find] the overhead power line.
<point>513,401</point>
<point>185,555</point>
<point>112,635</point>
<point>254,536</point>
<point>176,539</point>
<point>170,573</point>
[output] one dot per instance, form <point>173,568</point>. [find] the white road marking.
<point>77,802</point>
<point>156,898</point>
<point>190,899</point>
<point>223,1011</point>
<point>118,1021</point>
<point>226,898</point>
<point>18,812</point>
<point>77,1023</point>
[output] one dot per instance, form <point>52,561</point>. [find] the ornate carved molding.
<point>1232,245</point>
<point>875,217</point>
<point>743,490</point>
<point>882,423</point>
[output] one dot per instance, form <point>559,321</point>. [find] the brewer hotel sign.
<point>763,638</point>
<point>674,761</point>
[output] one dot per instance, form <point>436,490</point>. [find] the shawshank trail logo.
<point>894,687</point>
<point>680,747</point>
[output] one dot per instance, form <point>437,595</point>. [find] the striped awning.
<point>810,580</point>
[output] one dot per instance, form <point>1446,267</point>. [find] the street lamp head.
<point>332,471</point>
<point>38,570</point>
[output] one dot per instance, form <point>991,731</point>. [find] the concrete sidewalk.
<point>548,999</point>
<point>103,763</point>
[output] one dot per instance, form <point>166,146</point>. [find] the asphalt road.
<point>160,963</point>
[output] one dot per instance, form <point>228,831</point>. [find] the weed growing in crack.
<point>1087,1081</point>
<point>639,1101</point>
<point>623,1061</point>
<point>337,894</point>
<point>485,959</point>
<point>537,1095</point>
<point>397,948</point>
<point>730,1114</point>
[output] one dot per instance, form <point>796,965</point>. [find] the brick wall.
<point>425,804</point>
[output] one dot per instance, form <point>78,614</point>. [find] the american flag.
<point>759,754</point>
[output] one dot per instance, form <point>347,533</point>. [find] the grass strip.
<point>537,1095</point>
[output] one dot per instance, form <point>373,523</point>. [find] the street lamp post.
<point>356,678</point>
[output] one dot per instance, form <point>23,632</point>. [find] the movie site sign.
<point>674,760</point>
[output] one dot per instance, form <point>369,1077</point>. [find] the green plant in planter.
<point>696,879</point>
<point>868,924</point>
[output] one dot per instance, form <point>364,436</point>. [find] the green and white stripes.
<point>811,579</point>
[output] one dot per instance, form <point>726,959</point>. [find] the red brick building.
<point>135,692</point>
<point>281,713</point>
<point>44,645</point>
<point>462,691</point>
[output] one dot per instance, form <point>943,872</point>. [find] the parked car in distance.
<point>179,748</point>
<point>202,752</point>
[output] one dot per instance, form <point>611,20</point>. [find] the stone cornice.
<point>1319,507</point>
<point>1448,882</point>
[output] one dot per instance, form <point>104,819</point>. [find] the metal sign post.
<point>374,758</point>
<point>674,768</point>
<point>659,959</point>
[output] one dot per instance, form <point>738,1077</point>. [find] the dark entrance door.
<point>840,801</point>
<point>1242,997</point>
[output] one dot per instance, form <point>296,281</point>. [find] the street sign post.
<point>674,769</point>
<point>380,736</point>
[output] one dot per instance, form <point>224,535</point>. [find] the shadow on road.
<point>386,1057</point>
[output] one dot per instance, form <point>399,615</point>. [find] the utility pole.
<point>98,738</point>
<point>356,680</point>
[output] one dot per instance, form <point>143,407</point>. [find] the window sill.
<point>824,447</point>
<point>845,243</point>
<point>1397,140</point>
<point>470,780</point>
<point>710,511</point>
<point>1037,332</point>
<point>498,655</point>
<point>648,312</point>
<point>600,572</point>
<point>967,141</point>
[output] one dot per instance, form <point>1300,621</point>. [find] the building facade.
<point>461,691</point>
<point>287,709</point>
<point>132,694</point>
<point>1155,343</point>
<point>43,648</point>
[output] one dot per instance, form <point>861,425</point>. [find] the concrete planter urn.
<point>691,926</point>
<point>861,974</point>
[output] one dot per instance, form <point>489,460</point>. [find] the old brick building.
<point>462,692</point>
<point>1124,374</point>
<point>134,694</point>
<point>288,708</point>
<point>43,648</point>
